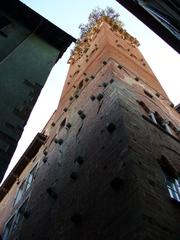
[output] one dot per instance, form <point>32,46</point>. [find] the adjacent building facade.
<point>29,47</point>
<point>106,166</point>
<point>163,17</point>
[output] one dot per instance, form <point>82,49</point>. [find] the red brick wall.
<point>102,179</point>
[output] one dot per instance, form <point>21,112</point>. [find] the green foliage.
<point>95,15</point>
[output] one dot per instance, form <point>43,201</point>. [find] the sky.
<point>68,15</point>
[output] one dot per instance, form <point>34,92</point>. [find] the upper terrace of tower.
<point>83,44</point>
<point>107,41</point>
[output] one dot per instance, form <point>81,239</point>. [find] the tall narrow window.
<point>171,180</point>
<point>25,185</point>
<point>20,192</point>
<point>152,117</point>
<point>166,126</point>
<point>30,178</point>
<point>173,186</point>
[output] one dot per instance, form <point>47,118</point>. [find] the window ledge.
<point>149,120</point>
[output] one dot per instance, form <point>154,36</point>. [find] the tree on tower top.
<point>89,30</point>
<point>95,15</point>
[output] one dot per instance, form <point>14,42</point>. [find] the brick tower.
<point>109,168</point>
